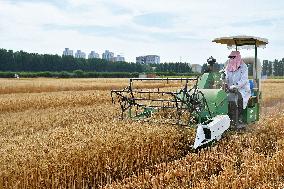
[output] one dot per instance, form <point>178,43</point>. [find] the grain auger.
<point>202,102</point>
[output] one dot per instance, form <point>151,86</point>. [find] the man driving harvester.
<point>238,88</point>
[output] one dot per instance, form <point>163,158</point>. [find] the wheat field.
<point>66,133</point>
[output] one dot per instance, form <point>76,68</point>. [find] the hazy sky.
<point>173,29</point>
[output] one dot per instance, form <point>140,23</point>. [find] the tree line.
<point>21,61</point>
<point>273,68</point>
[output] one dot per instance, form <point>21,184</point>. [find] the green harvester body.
<point>217,99</point>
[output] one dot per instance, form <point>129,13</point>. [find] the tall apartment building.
<point>93,54</point>
<point>107,55</point>
<point>148,59</point>
<point>119,58</point>
<point>67,52</point>
<point>80,54</point>
<point>196,68</point>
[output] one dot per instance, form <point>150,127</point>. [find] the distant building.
<point>140,59</point>
<point>148,59</point>
<point>107,55</point>
<point>80,54</point>
<point>143,75</point>
<point>67,52</point>
<point>93,54</point>
<point>196,68</point>
<point>119,58</point>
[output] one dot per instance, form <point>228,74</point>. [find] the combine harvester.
<point>201,102</point>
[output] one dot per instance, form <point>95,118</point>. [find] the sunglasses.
<point>232,57</point>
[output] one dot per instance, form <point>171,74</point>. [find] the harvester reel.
<point>184,105</point>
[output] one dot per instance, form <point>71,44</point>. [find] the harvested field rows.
<point>253,159</point>
<point>67,136</point>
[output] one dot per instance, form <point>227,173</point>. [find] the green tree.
<point>269,73</point>
<point>265,66</point>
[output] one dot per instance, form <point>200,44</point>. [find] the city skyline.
<point>175,30</point>
<point>107,55</point>
<point>110,56</point>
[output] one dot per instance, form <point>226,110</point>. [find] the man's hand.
<point>233,89</point>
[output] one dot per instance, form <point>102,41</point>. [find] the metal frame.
<point>185,100</point>
<point>255,58</point>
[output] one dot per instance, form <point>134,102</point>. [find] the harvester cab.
<point>201,102</point>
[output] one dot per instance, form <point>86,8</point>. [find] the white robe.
<point>239,78</point>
